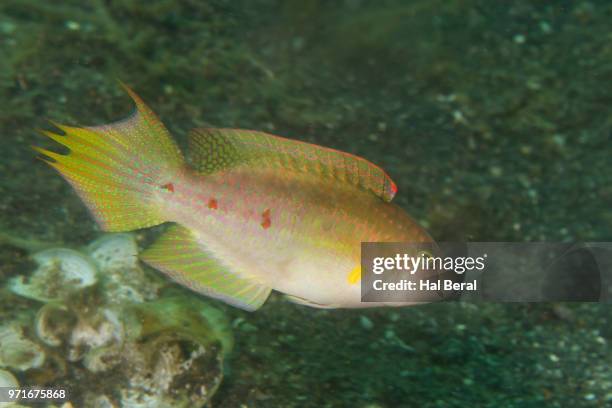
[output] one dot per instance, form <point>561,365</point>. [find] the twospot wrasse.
<point>252,212</point>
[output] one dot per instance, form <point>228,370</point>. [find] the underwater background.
<point>494,119</point>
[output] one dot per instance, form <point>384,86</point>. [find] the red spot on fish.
<point>266,222</point>
<point>169,187</point>
<point>212,204</point>
<point>393,187</point>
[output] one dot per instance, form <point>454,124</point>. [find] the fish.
<point>250,212</point>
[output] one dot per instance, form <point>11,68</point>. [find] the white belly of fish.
<point>278,260</point>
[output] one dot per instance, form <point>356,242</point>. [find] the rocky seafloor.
<point>92,324</point>
<point>494,120</point>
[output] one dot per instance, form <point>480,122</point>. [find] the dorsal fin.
<point>213,150</point>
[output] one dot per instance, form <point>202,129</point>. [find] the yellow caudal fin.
<point>120,169</point>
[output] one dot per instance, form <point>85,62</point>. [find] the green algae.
<point>185,315</point>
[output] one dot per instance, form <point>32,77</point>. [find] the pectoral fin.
<point>179,255</point>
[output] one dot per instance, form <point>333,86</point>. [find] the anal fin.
<point>178,254</point>
<point>301,301</point>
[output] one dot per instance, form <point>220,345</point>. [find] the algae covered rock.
<point>17,352</point>
<point>170,369</point>
<point>116,257</point>
<point>171,355</point>
<point>53,323</point>
<point>60,273</point>
<point>104,331</point>
<point>189,316</point>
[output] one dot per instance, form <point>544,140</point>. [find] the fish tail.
<point>120,170</point>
